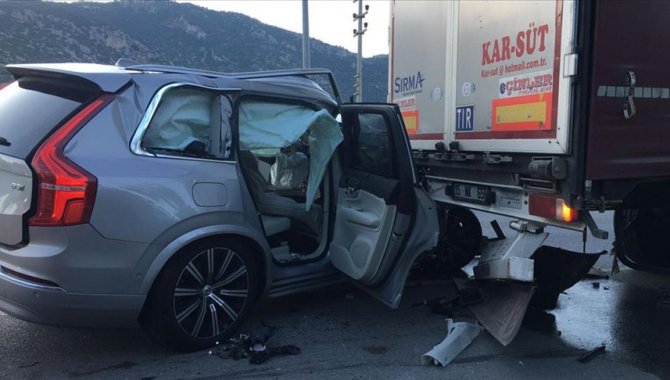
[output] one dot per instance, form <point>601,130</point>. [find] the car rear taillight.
<point>551,207</point>
<point>65,192</point>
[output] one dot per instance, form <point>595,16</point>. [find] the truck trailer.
<point>543,111</point>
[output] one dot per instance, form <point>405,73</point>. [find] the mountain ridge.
<point>178,34</point>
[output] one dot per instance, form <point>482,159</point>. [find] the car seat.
<point>269,202</point>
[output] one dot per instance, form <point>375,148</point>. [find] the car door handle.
<point>351,192</point>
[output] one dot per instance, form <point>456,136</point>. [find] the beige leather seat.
<point>269,202</point>
<point>274,225</point>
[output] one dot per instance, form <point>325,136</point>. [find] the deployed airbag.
<point>266,125</point>
<point>184,116</point>
<point>289,171</point>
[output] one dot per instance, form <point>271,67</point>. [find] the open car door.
<point>383,218</point>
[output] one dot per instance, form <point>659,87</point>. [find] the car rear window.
<point>30,108</point>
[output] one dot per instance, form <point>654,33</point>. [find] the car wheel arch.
<point>259,248</point>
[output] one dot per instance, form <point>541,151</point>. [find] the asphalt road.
<point>344,333</point>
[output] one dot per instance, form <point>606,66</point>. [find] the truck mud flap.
<point>556,270</point>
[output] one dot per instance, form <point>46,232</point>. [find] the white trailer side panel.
<point>504,67</point>
<point>418,70</point>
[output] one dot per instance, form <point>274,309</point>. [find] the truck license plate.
<point>509,199</point>
<point>471,193</point>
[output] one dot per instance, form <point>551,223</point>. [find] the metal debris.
<point>597,274</point>
<point>262,356</point>
<point>461,293</point>
<point>587,357</point>
<point>556,270</point>
<point>460,335</point>
<point>439,305</point>
<point>255,347</point>
<point>503,309</point>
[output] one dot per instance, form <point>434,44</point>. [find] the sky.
<point>330,21</point>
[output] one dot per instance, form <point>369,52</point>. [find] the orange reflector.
<point>522,113</point>
<point>569,215</point>
<point>411,119</point>
<point>551,207</point>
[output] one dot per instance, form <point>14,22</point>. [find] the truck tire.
<point>203,294</point>
<point>641,237</point>
<point>460,238</point>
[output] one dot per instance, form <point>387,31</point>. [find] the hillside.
<point>168,33</point>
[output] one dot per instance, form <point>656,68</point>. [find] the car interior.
<point>284,152</point>
<point>294,233</point>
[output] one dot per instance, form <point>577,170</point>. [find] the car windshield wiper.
<point>3,141</point>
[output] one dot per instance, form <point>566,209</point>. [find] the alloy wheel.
<point>211,292</point>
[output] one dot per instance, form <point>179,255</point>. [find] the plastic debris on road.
<point>503,309</point>
<point>460,335</point>
<point>255,347</point>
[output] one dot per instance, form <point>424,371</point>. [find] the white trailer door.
<point>418,70</point>
<point>514,66</point>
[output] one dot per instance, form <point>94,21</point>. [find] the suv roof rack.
<point>247,75</point>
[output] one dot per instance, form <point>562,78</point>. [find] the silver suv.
<point>180,197</point>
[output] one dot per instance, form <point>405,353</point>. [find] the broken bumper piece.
<point>460,335</point>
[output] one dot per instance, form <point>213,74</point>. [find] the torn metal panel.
<point>504,306</point>
<point>459,337</point>
<point>509,258</point>
<point>556,270</point>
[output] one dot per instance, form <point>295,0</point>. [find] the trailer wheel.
<point>460,238</point>
<point>642,238</point>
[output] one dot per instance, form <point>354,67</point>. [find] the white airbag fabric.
<point>182,117</point>
<point>270,125</point>
<point>289,171</point>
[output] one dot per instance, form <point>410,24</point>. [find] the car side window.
<point>373,153</point>
<point>190,122</point>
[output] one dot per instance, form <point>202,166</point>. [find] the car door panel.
<point>363,222</point>
<point>394,270</point>
<point>383,187</point>
<point>384,220</point>
<point>376,201</point>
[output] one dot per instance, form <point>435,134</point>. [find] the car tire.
<point>203,294</point>
<point>460,238</point>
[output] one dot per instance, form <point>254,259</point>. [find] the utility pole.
<point>305,36</point>
<point>362,28</point>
